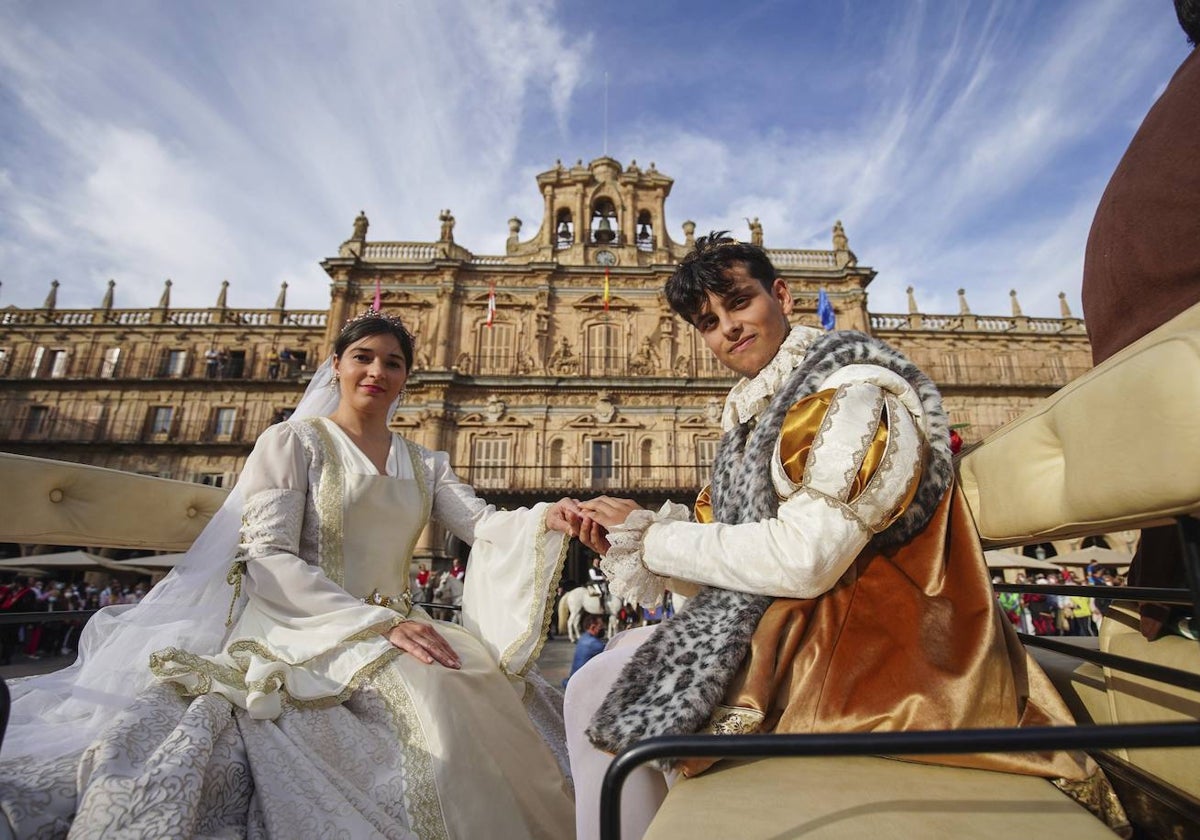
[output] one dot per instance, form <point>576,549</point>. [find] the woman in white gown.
<point>333,707</point>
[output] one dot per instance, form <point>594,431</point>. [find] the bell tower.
<point>601,214</point>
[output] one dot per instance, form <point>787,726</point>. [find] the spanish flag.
<point>607,296</point>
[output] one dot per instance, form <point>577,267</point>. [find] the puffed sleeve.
<point>846,465</point>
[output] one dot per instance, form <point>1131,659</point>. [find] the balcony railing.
<point>195,367</point>
<point>69,430</point>
<point>574,478</point>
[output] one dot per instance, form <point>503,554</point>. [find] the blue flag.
<point>825,311</point>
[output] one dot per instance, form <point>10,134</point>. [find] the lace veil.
<point>62,712</point>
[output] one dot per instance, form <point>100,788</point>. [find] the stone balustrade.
<point>160,315</point>
<point>799,258</point>
<point>916,321</point>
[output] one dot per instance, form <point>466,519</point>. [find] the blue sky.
<point>962,144</point>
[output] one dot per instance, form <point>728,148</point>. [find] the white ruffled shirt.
<point>820,527</point>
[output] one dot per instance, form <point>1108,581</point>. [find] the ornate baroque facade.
<point>582,382</point>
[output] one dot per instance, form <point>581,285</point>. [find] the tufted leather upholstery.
<point>1118,448</point>
<point>59,503</point>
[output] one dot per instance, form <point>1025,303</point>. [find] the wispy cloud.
<point>963,145</point>
<point>240,145</point>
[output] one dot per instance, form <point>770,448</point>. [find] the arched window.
<point>645,232</point>
<point>564,229</point>
<point>605,227</point>
<point>495,349</point>
<point>604,356</point>
<point>646,460</point>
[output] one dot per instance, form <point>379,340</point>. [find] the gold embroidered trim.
<point>330,499</point>
<point>864,444</point>
<point>170,664</point>
<point>541,583</point>
<point>421,800</point>
<point>236,572</point>
<point>733,720</point>
<point>818,439</point>
<point>418,467</point>
<point>882,476</point>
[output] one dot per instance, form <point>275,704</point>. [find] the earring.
<point>400,398</point>
<point>337,378</point>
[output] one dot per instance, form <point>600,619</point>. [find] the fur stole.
<point>675,680</point>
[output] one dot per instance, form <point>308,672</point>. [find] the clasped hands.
<point>589,521</point>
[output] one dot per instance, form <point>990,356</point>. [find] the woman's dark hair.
<point>375,324</point>
<point>704,270</point>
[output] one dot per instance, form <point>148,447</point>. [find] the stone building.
<point>555,368</point>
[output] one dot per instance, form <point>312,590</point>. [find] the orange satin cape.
<point>909,638</point>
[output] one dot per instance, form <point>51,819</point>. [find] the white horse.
<point>581,599</point>
<point>449,590</point>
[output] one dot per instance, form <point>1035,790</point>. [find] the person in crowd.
<point>457,569</point>
<point>330,706</point>
<point>590,643</point>
<point>863,566</point>
<point>597,580</point>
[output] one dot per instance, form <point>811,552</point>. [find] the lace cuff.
<point>628,577</point>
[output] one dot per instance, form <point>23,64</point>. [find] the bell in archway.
<point>564,231</point>
<point>644,233</point>
<point>604,231</point>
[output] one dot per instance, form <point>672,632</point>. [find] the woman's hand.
<point>423,642</point>
<point>565,516</point>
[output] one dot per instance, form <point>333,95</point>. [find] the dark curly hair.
<point>705,270</point>
<point>360,328</point>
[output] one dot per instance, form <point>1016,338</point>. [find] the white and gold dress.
<point>308,723</point>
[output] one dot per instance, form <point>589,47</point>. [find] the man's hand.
<point>599,515</point>
<point>423,642</point>
<point>565,516</point>
<point>609,511</point>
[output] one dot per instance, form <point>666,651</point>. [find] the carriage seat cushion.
<point>1138,700</point>
<point>1118,448</point>
<point>49,502</point>
<point>854,797</point>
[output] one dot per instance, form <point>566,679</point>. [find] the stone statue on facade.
<point>563,361</point>
<point>525,362</point>
<point>683,366</point>
<point>646,361</point>
<point>840,242</point>
<point>447,220</point>
<point>360,227</point>
<point>756,232</point>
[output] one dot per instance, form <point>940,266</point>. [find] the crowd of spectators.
<point>54,638</point>
<point>1045,614</point>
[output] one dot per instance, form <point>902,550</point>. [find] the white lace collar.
<point>750,396</point>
